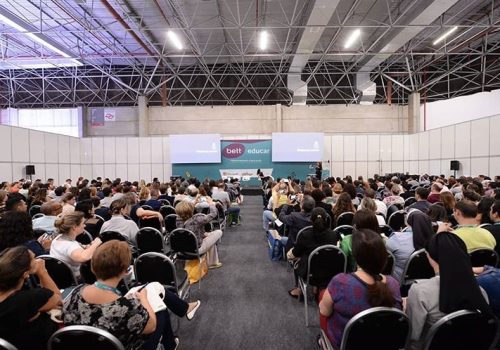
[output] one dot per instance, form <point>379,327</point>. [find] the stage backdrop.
<point>242,158</point>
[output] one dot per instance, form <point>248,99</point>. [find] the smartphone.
<point>293,197</point>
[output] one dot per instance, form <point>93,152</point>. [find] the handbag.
<point>194,272</point>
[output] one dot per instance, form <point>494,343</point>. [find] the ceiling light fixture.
<point>352,38</point>
<point>263,40</point>
<point>174,39</point>
<point>444,36</point>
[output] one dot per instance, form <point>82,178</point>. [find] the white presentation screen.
<point>195,148</point>
<point>298,147</point>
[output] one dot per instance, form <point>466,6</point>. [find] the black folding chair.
<point>377,328</point>
<point>343,230</point>
<point>84,238</point>
<point>110,235</point>
<point>34,209</point>
<point>72,337</point>
<point>389,265</point>
<point>59,271</point>
<point>148,240</point>
<point>153,222</point>
<point>323,263</point>
<point>345,219</point>
<point>170,222</point>
<point>184,246</point>
<point>483,256</point>
<point>397,220</point>
<point>5,345</point>
<point>409,201</point>
<point>463,330</point>
<point>166,210</point>
<point>417,267</point>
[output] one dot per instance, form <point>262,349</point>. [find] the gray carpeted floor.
<point>245,304</point>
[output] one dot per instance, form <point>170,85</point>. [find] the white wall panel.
<point>6,171</point>
<point>374,147</point>
<point>413,147</point>
<point>18,171</point>
<point>63,147</point>
<point>145,172</point>
<point>74,150</point>
<point>445,167</point>
<point>20,146</point>
<point>40,172</point>
<point>464,167</point>
<point>121,151</point>
<point>133,150</point>
<point>97,170</point>
<point>167,171</point>
<point>423,145</point>
<point>157,170</point>
<point>337,148</point>
<point>350,169</point>
<point>361,170</point>
<point>121,171</point>
<point>350,149</point>
<point>109,145</point>
<point>76,172</point>
<point>494,136</point>
<point>413,169</point>
<point>145,150</point>
<point>494,166</point>
<point>6,146</point>
<point>406,166</point>
<point>480,137</point>
<point>397,167</point>
<point>37,146</point>
<point>386,167</point>
<point>361,149</point>
<point>110,171</point>
<point>385,148</point>
<point>373,168</point>
<point>423,166</point>
<point>406,148</point>
<point>64,173</point>
<point>133,173</point>
<point>479,166</point>
<point>52,171</point>
<point>166,150</point>
<point>448,142</point>
<point>86,171</point>
<point>327,149</point>
<point>462,145</point>
<point>397,147</point>
<point>337,169</point>
<point>435,167</point>
<point>97,151</point>
<point>157,150</point>
<point>435,144</point>
<point>86,151</point>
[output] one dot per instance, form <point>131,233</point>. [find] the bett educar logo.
<point>235,150</point>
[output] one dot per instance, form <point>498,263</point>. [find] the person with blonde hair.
<point>65,248</point>
<point>196,223</point>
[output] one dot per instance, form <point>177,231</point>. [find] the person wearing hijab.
<point>403,244</point>
<point>453,288</point>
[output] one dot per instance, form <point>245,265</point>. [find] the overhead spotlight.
<point>444,36</point>
<point>263,40</point>
<point>352,38</point>
<point>174,39</point>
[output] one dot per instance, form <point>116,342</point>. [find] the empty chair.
<point>417,267</point>
<point>149,239</point>
<point>377,328</point>
<point>60,272</point>
<point>391,209</point>
<point>323,263</point>
<point>34,209</point>
<point>166,210</point>
<point>157,267</point>
<point>170,222</point>
<point>389,265</point>
<point>79,337</point>
<point>109,235</point>
<point>483,256</point>
<point>409,201</point>
<point>397,220</point>
<point>463,330</point>
<point>345,219</point>
<point>84,238</point>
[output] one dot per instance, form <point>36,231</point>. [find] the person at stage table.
<point>319,170</point>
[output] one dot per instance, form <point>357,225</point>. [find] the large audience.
<point>447,217</point>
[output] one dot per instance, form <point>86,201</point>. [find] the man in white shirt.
<point>50,210</point>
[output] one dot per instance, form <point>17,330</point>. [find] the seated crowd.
<point>71,224</point>
<point>390,217</point>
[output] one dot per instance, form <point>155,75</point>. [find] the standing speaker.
<point>30,170</point>
<point>454,165</point>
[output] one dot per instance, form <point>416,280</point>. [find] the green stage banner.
<point>241,159</point>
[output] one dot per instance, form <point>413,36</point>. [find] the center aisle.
<point>245,304</point>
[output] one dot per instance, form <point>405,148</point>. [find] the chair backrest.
<point>409,201</point>
<point>93,338</point>
<point>345,219</point>
<point>166,210</point>
<point>34,209</point>
<point>184,243</point>
<point>164,202</point>
<point>84,238</point>
<point>461,330</point>
<point>484,225</point>
<point>86,273</point>
<point>389,265</point>
<point>343,230</point>
<point>110,235</point>
<point>417,267</point>
<point>103,213</point>
<point>38,215</point>
<point>201,209</point>
<point>390,210</point>
<point>170,222</point>
<point>147,207</point>
<point>94,225</point>
<point>377,328</point>
<point>151,222</point>
<point>307,228</point>
<point>155,267</point>
<point>397,220</point>
<point>5,345</point>
<point>61,273</point>
<point>386,230</point>
<point>149,239</point>
<point>483,256</point>
<point>323,263</point>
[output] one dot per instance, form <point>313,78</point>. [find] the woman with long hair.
<point>319,235</point>
<point>349,294</point>
<point>403,244</point>
<point>343,205</point>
